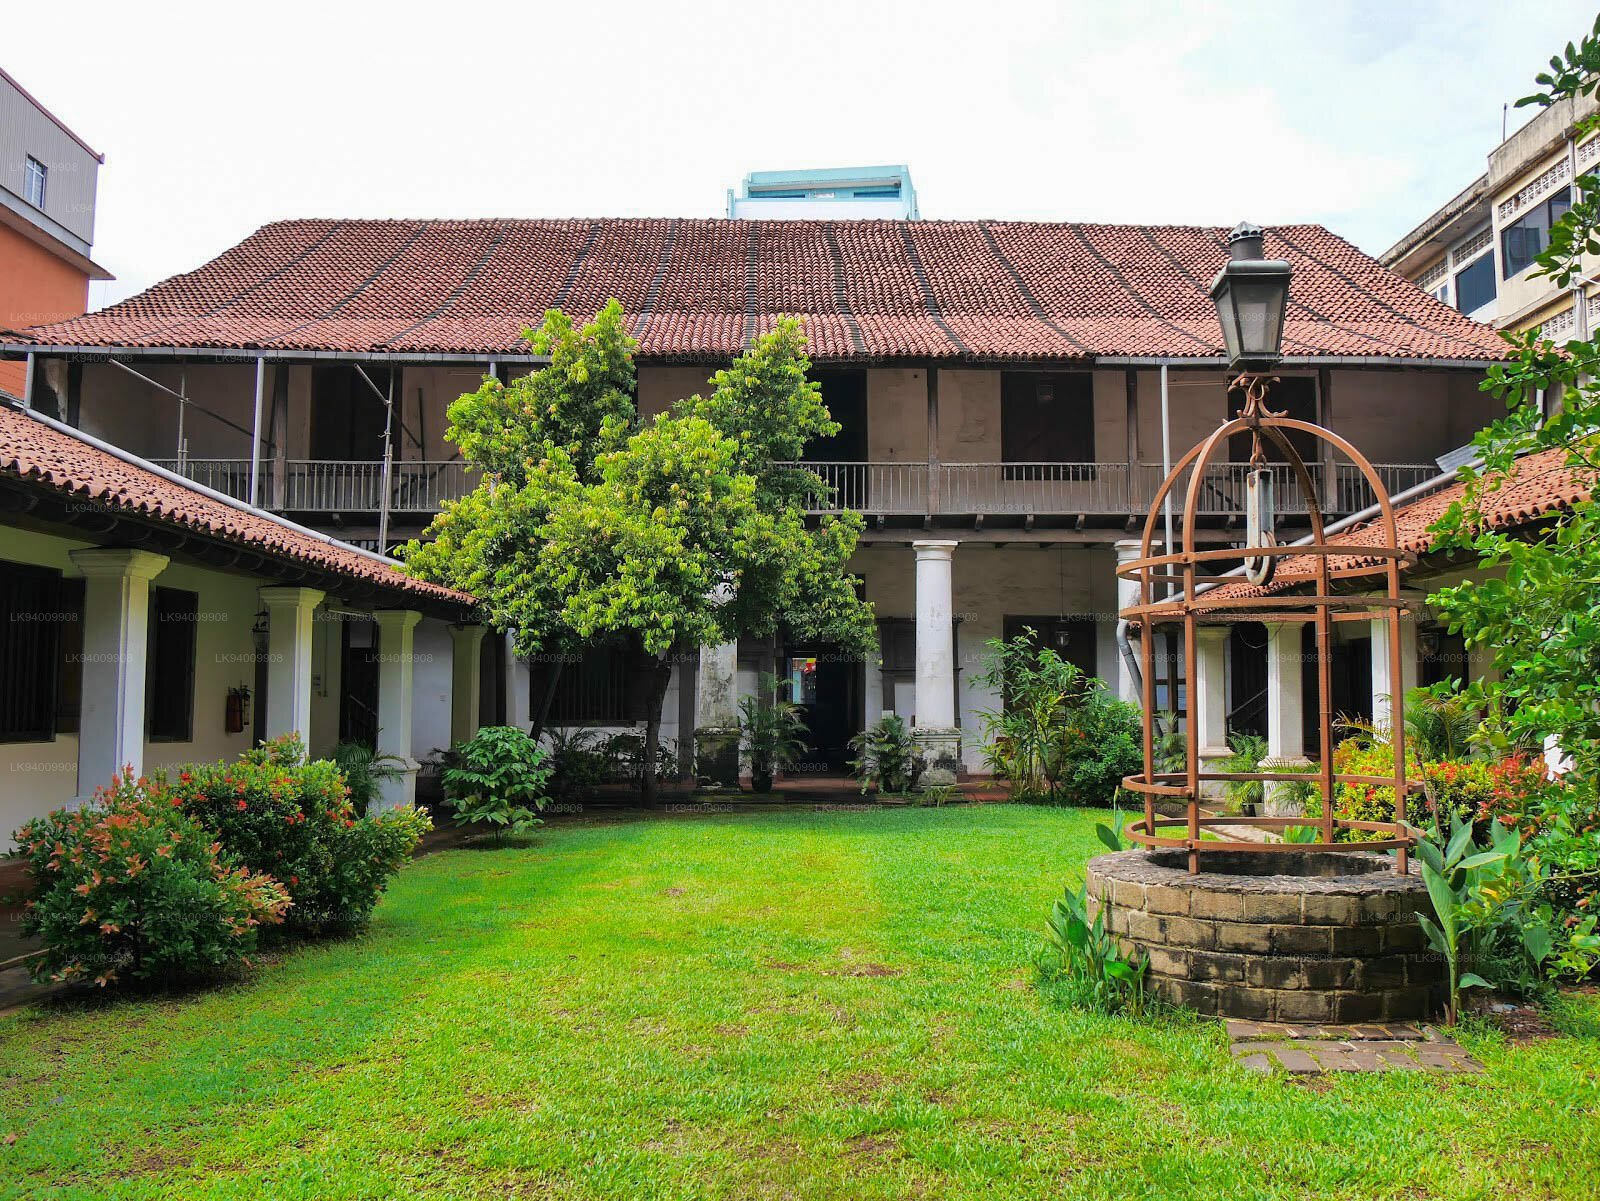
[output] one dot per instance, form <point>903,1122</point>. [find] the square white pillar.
<point>936,730</point>
<point>1127,594</point>
<point>716,715</point>
<point>1383,685</point>
<point>1209,706</point>
<point>1285,681</point>
<point>116,629</point>
<point>396,667</point>
<point>290,664</point>
<point>518,684</point>
<point>466,659</point>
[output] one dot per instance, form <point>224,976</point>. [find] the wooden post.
<point>932,506</point>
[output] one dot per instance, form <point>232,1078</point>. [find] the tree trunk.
<point>660,677</point>
<point>543,714</point>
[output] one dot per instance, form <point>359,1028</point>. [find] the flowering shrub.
<point>280,814</point>
<point>130,886</point>
<point>1470,789</point>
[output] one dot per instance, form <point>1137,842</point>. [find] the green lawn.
<point>833,1004</point>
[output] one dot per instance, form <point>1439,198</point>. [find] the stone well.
<point>1328,937</point>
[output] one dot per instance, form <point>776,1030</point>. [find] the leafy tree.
<point>536,440</point>
<point>591,526</point>
<point>1541,614</point>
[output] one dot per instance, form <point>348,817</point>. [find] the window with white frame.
<point>33,179</point>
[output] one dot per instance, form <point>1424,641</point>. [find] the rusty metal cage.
<point>1195,586</point>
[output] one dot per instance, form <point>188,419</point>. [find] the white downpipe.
<point>255,434</point>
<point>27,383</point>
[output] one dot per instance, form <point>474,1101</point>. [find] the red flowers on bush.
<point>129,886</point>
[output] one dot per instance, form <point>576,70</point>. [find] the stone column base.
<point>397,790</point>
<point>940,747</point>
<point>1210,756</point>
<point>716,756</point>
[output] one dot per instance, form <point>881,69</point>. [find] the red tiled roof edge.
<point>1542,484</point>
<point>39,453</point>
<point>698,288</point>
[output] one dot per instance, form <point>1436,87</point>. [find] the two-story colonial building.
<point>1008,392</point>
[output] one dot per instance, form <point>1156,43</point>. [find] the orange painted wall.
<point>35,287</point>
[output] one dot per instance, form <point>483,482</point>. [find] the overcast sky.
<point>1363,115</point>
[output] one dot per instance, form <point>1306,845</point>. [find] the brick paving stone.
<point>1307,1050</point>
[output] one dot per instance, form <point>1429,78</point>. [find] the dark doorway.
<point>1352,679</point>
<point>1295,396</point>
<point>1045,418</point>
<point>827,685</point>
<point>1073,638</point>
<point>1443,656</point>
<point>845,394</point>
<point>347,417</point>
<point>358,682</point>
<point>1247,652</point>
<point>492,680</point>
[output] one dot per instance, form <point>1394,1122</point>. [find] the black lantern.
<point>1250,293</point>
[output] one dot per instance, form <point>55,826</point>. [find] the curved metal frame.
<point>1189,607</point>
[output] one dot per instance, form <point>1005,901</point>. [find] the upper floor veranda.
<point>920,445</point>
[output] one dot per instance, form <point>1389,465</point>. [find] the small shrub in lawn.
<point>278,813</point>
<point>498,778</point>
<point>887,758</point>
<point>131,887</point>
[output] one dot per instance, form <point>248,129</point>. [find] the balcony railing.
<point>887,489</point>
<point>334,485</point>
<point>1074,488</point>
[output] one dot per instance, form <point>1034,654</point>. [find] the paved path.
<point>1313,1050</point>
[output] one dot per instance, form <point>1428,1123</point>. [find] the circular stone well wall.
<point>1312,937</point>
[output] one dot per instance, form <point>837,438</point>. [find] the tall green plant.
<point>772,731</point>
<point>886,756</point>
<point>1456,874</point>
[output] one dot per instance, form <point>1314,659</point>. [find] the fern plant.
<point>364,772</point>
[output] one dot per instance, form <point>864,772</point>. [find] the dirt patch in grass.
<point>875,1146</point>
<point>865,969</point>
<point>672,892</point>
<point>1519,1021</point>
<point>783,965</point>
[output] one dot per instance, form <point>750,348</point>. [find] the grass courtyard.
<point>804,1004</point>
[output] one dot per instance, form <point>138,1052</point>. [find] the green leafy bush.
<point>497,777</point>
<point>1059,736</point>
<point>887,758</point>
<point>578,760</point>
<point>130,886</point>
<point>277,813</point>
<point>1080,954</point>
<point>772,731</point>
<point>364,772</point>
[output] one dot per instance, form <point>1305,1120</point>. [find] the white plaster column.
<point>1285,681</point>
<point>936,730</point>
<point>396,667</point>
<point>116,629</point>
<point>1208,705</point>
<point>716,715</point>
<point>1383,687</point>
<point>518,684</point>
<point>1127,594</point>
<point>1285,716</point>
<point>466,671</point>
<point>290,615</point>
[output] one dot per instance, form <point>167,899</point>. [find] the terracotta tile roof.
<point>698,289</point>
<point>33,451</point>
<point>1543,484</point>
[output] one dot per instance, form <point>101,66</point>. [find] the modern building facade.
<point>1475,253</point>
<point>48,178</point>
<point>1008,392</point>
<point>826,194</point>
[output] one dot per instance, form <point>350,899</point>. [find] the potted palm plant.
<point>771,732</point>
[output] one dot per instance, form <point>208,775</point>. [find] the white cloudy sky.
<point>1361,114</point>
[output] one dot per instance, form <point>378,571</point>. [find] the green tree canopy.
<point>590,526</point>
